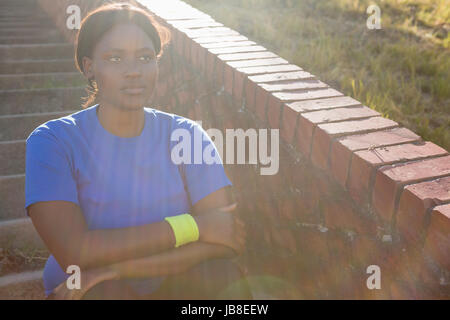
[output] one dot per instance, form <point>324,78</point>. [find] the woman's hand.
<point>221,226</point>
<point>89,279</point>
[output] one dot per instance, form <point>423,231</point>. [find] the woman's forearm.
<point>106,246</point>
<point>172,261</point>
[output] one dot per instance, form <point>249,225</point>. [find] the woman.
<point>104,194</point>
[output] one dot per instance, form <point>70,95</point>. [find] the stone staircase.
<point>38,82</point>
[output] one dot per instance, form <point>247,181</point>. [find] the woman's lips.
<point>138,90</point>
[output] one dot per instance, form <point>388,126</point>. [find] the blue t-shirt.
<point>117,182</point>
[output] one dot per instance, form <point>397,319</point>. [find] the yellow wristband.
<point>184,228</point>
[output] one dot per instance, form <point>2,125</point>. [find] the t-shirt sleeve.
<point>209,175</point>
<point>48,174</point>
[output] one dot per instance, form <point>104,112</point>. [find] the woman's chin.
<point>134,102</point>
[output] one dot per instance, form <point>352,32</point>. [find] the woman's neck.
<point>120,122</point>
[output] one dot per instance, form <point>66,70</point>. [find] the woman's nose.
<point>132,69</point>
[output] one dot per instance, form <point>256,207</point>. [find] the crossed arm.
<point>179,259</point>
<point>141,251</point>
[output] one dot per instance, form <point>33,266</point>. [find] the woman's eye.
<point>147,58</point>
<point>114,59</point>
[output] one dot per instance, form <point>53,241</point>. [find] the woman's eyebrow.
<point>140,49</point>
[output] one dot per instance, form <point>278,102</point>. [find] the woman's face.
<point>124,66</point>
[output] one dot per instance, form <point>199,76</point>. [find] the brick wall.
<point>353,189</point>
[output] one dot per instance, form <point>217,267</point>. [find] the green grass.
<point>401,70</point>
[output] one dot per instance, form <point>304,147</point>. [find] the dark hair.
<point>102,19</point>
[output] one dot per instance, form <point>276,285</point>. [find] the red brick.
<point>355,126</point>
<point>286,208</point>
<point>222,44</point>
<point>342,148</point>
<point>339,247</point>
<point>220,39</point>
<point>218,72</point>
<point>257,62</point>
<point>404,152</point>
<point>210,32</point>
<point>162,88</point>
<point>409,262</point>
<point>366,251</point>
<point>268,235</point>
<point>178,40</point>
<point>197,23</point>
<point>228,50</point>
<point>273,111</point>
<point>187,43</point>
<point>261,97</point>
<point>378,139</point>
<point>274,77</point>
<point>328,103</point>
<point>364,163</point>
<point>340,163</point>
<point>325,132</point>
<point>340,114</point>
<point>320,148</point>
<point>288,123</point>
<point>182,13</point>
<point>304,136</point>
<point>246,56</point>
<point>284,239</point>
<point>269,69</point>
<point>340,215</point>
<point>184,97</point>
<point>211,61</point>
<point>318,189</point>
<point>312,243</point>
<point>294,85</point>
<point>402,290</point>
<point>238,86</point>
<point>416,199</point>
<point>267,210</point>
<point>191,114</point>
<point>198,56</point>
<point>429,272</point>
<point>250,91</point>
<point>228,78</point>
<point>307,94</point>
<point>390,179</point>
<point>437,243</point>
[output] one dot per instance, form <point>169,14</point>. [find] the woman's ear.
<point>87,67</point>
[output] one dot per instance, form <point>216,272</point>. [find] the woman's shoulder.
<point>59,127</point>
<point>176,121</point>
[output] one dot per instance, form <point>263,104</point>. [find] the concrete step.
<point>12,157</point>
<point>41,80</point>
<point>12,197</point>
<point>19,127</point>
<point>26,23</point>
<point>42,20</point>
<point>37,66</point>
<point>22,286</point>
<point>20,234</point>
<point>49,51</point>
<point>23,101</point>
<point>30,39</point>
<point>28,31</point>
<point>31,13</point>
